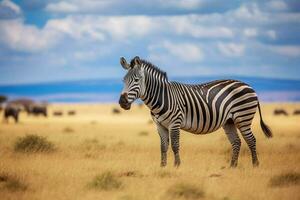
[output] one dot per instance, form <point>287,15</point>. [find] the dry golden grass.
<point>96,141</point>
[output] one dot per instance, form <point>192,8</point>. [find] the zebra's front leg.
<point>164,143</point>
<point>175,135</point>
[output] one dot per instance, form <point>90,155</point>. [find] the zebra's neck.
<point>155,90</point>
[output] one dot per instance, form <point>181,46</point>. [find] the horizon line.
<point>115,79</point>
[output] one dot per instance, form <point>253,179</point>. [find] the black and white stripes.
<point>198,109</point>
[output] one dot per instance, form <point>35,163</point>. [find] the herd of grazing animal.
<point>12,109</point>
<point>285,113</point>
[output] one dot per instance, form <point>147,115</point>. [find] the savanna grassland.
<point>98,154</point>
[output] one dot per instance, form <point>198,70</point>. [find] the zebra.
<point>198,109</point>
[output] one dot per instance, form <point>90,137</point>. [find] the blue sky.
<point>51,40</point>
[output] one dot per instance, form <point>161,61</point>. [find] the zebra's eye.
<point>136,80</point>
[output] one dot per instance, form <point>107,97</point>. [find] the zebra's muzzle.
<point>123,101</point>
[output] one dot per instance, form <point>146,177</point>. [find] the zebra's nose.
<point>123,98</point>
<point>124,101</point>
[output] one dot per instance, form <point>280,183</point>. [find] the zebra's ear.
<point>124,63</point>
<point>137,61</point>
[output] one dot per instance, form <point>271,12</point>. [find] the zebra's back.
<point>206,107</point>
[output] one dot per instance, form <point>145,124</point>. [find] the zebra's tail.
<point>267,131</point>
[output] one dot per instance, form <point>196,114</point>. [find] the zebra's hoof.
<point>163,164</point>
<point>177,164</point>
<point>233,165</point>
<point>255,164</point>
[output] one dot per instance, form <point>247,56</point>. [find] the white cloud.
<point>77,28</point>
<point>185,26</point>
<point>186,4</point>
<point>277,5</point>
<point>124,27</point>
<point>11,5</point>
<point>102,27</point>
<point>254,32</point>
<point>271,34</point>
<point>81,40</point>
<point>197,26</point>
<point>9,10</point>
<point>286,50</point>
<point>91,54</point>
<point>62,6</point>
<point>95,6</point>
<point>23,37</point>
<point>84,28</point>
<point>18,36</point>
<point>248,12</point>
<point>250,32</point>
<point>184,52</point>
<point>231,49</point>
<point>79,6</point>
<point>254,14</point>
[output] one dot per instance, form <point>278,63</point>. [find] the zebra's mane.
<point>155,68</point>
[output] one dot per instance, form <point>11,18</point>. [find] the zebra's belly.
<point>197,127</point>
<point>199,131</point>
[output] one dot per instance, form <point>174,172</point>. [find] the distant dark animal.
<point>280,112</point>
<point>25,103</point>
<point>57,113</point>
<point>11,111</point>
<point>37,109</point>
<point>71,112</point>
<point>296,112</point>
<point>116,111</point>
<point>2,99</point>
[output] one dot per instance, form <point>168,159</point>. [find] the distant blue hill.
<point>268,89</point>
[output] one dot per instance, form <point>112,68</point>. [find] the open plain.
<point>101,154</point>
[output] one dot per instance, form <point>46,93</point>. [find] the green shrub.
<point>32,144</point>
<point>105,181</point>
<point>185,191</point>
<point>286,179</point>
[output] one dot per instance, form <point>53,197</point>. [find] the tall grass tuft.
<point>11,183</point>
<point>185,191</point>
<point>32,144</point>
<point>143,133</point>
<point>105,181</point>
<point>285,179</point>
<point>68,130</point>
<point>164,174</point>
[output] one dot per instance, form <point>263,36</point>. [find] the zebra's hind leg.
<point>233,137</point>
<point>251,142</point>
